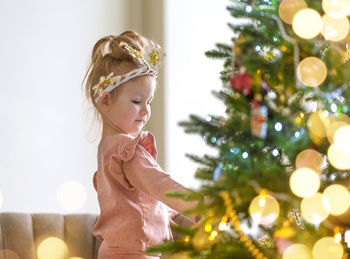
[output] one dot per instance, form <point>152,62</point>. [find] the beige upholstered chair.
<point>21,234</point>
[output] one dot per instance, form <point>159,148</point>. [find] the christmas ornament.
<point>258,120</point>
<point>201,240</point>
<point>218,171</point>
<point>183,255</point>
<point>242,81</point>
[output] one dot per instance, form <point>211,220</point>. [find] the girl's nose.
<point>145,110</point>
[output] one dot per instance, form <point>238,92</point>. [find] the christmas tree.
<point>279,186</point>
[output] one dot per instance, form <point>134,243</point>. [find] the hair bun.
<point>133,39</point>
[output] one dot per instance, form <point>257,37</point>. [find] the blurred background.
<point>48,147</point>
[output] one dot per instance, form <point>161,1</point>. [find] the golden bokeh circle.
<point>297,251</point>
<point>339,155</point>
<point>333,127</point>
<point>304,182</point>
<point>53,248</point>
<point>318,123</point>
<point>326,248</point>
<point>264,209</point>
<point>342,135</point>
<point>315,209</point>
<point>288,8</point>
<point>338,197</point>
<point>335,29</point>
<point>312,71</point>
<point>336,8</point>
<point>307,23</point>
<point>310,158</point>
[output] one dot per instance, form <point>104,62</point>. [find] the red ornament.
<point>242,81</point>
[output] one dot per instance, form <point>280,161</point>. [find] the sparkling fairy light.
<point>278,126</point>
<point>334,107</point>
<point>208,118</point>
<point>248,9</point>
<point>275,152</point>
<point>245,155</point>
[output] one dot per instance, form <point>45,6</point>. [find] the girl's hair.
<point>108,56</point>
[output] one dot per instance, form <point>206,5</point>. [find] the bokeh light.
<point>342,135</point>
<point>339,155</point>
<point>297,251</point>
<point>264,209</point>
<point>338,197</point>
<point>326,248</point>
<point>288,8</point>
<point>315,209</point>
<point>310,158</point>
<point>335,29</point>
<point>307,23</point>
<point>53,248</point>
<point>336,8</point>
<point>71,196</point>
<point>332,128</point>
<point>317,124</point>
<point>8,254</point>
<point>312,71</point>
<point>304,182</point>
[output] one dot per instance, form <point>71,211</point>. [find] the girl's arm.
<point>144,173</point>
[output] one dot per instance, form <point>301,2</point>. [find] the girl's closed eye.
<point>136,101</point>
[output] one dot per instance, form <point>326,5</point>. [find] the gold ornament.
<point>201,240</point>
<point>183,255</point>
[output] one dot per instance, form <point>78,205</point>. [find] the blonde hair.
<point>108,56</point>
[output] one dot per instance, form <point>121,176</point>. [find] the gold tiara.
<point>151,62</point>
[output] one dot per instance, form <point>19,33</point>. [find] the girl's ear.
<point>104,102</point>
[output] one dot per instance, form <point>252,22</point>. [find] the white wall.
<point>192,27</point>
<point>45,47</point>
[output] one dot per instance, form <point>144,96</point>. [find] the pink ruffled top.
<point>131,189</point>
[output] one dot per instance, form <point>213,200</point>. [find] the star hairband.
<point>150,62</point>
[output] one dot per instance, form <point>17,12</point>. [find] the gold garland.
<point>231,215</point>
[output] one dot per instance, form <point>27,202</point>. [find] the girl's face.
<point>131,107</point>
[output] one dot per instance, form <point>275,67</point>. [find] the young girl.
<point>131,186</point>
